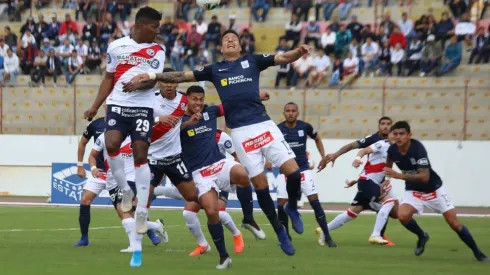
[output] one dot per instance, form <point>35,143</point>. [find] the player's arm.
<point>193,120</point>
<point>80,153</point>
<point>291,56</point>
<point>235,156</point>
<point>264,96</point>
<point>332,157</point>
<point>148,80</point>
<point>92,161</point>
<point>358,159</point>
<point>104,91</point>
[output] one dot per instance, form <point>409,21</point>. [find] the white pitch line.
<point>68,229</point>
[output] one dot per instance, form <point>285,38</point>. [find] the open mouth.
<point>231,46</point>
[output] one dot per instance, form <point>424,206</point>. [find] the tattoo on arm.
<point>389,162</point>
<point>421,176</point>
<point>346,148</point>
<point>176,77</point>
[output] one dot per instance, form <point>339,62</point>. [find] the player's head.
<point>195,96</point>
<point>391,137</point>
<point>146,24</point>
<point>291,112</point>
<point>401,132</point>
<point>168,89</point>
<point>384,124</point>
<point>230,44</point>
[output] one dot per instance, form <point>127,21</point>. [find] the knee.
<point>87,198</point>
<point>112,146</point>
<point>260,182</point>
<point>190,197</point>
<point>211,212</point>
<point>404,216</point>
<point>281,202</point>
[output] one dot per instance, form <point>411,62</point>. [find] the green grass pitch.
<point>30,243</point>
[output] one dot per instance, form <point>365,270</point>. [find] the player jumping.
<point>423,188</point>
<point>237,82</point>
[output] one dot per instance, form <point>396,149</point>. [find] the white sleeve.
<point>160,56</point>
<point>99,144</point>
<point>111,59</point>
<point>225,141</point>
<point>377,146</point>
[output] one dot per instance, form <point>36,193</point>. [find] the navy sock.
<point>320,217</point>
<point>384,228</point>
<point>244,195</point>
<point>413,227</point>
<point>466,237</point>
<point>216,231</point>
<point>283,217</point>
<point>293,186</point>
<point>84,219</point>
<point>267,206</point>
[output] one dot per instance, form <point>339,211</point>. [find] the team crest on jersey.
<point>412,160</point>
<point>378,145</point>
<point>155,64</point>
<point>227,144</point>
<point>150,52</point>
<point>201,69</point>
<point>109,59</point>
<point>111,122</point>
<point>266,55</point>
<point>301,133</point>
<point>245,64</point>
<point>205,116</point>
<point>183,105</point>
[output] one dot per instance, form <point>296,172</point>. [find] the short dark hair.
<point>168,69</point>
<point>401,125</point>
<point>230,31</point>
<point>291,103</point>
<point>148,14</point>
<point>384,118</point>
<point>195,89</point>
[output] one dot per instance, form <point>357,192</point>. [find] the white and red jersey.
<point>165,139</point>
<point>376,162</point>
<point>126,152</point>
<point>225,144</point>
<point>126,59</point>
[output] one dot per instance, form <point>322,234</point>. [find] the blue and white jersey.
<point>296,138</point>
<point>237,83</point>
<point>95,129</point>
<point>198,141</point>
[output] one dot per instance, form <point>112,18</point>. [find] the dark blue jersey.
<point>296,137</point>
<point>198,141</point>
<point>369,140</point>
<point>237,83</point>
<point>416,158</point>
<point>94,130</point>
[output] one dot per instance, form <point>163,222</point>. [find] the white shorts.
<point>307,185</point>
<point>95,185</point>
<point>437,200</point>
<point>215,176</point>
<point>256,141</point>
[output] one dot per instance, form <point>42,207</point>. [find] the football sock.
<point>168,192</point>
<point>267,206</point>
<point>293,186</point>
<point>341,219</point>
<point>283,217</point>
<point>116,162</point>
<point>384,228</point>
<point>216,231</point>
<point>244,195</point>
<point>153,225</point>
<point>142,176</point>
<point>227,221</point>
<point>129,227</point>
<point>413,227</point>
<point>382,217</point>
<point>466,237</point>
<point>194,227</point>
<point>138,240</point>
<point>84,219</point>
<point>320,218</point>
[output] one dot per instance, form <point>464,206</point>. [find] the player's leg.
<point>91,190</point>
<point>410,206</point>
<point>168,191</point>
<point>228,222</point>
<point>194,226</point>
<point>142,176</point>
<point>282,199</point>
<point>387,204</point>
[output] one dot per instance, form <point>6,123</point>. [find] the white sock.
<point>227,221</point>
<point>129,227</point>
<point>142,176</point>
<point>153,225</point>
<point>341,219</point>
<point>168,191</point>
<point>116,163</point>
<point>138,240</point>
<point>382,216</point>
<point>194,226</point>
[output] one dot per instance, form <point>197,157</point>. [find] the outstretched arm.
<point>291,56</point>
<point>105,90</point>
<point>149,80</point>
<point>175,77</point>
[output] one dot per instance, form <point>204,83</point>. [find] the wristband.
<point>387,178</point>
<point>79,164</point>
<point>358,158</point>
<point>152,76</point>
<point>157,119</point>
<point>93,168</point>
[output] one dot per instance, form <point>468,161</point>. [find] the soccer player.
<point>423,188</point>
<point>296,132</point>
<point>237,82</point>
<point>131,113</point>
<point>371,194</point>
<point>384,124</point>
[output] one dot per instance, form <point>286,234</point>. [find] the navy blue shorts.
<point>134,121</point>
<point>367,192</point>
<point>116,194</point>
<point>174,167</point>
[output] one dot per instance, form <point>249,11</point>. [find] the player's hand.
<point>389,172</point>
<point>264,96</point>
<point>195,118</point>
<point>328,158</point>
<point>90,113</point>
<point>356,163</point>
<point>135,83</point>
<point>96,172</point>
<point>81,172</point>
<point>350,183</point>
<point>169,120</point>
<point>384,186</point>
<point>268,166</point>
<point>303,49</point>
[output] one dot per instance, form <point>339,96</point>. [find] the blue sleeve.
<point>89,132</point>
<point>421,157</point>
<point>367,141</point>
<point>216,110</point>
<point>204,74</point>
<point>390,151</point>
<point>310,131</point>
<point>264,61</point>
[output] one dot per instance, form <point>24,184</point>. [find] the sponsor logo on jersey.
<point>228,144</point>
<point>257,142</point>
<point>425,196</point>
<point>191,133</point>
<point>109,59</point>
<point>235,80</point>
<point>212,169</point>
<point>155,64</point>
<point>224,82</point>
<point>423,161</point>
<point>245,64</point>
<point>198,130</point>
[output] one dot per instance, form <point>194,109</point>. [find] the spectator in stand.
<point>397,55</point>
<point>96,9</point>
<point>124,9</point>
<point>356,49</point>
<point>370,51</point>
<point>177,54</point>
<point>293,30</point>
<point>386,3</point>
<point>302,68</point>
<point>385,59</point>
<point>414,55</point>
<point>3,47</point>
<point>75,67</point>
<point>167,26</point>
<point>10,68</point>
<point>1,63</point>
<point>38,71</point>
<point>387,24</point>
<point>89,31</point>
<point>283,71</point>
<point>452,56</point>
<point>18,7</point>
<point>172,39</point>
<point>335,24</point>
<point>409,2</point>
<point>355,28</point>
<point>202,27</point>
<point>321,66</point>
<point>81,49</point>
<point>183,7</point>
<point>93,56</point>
<point>328,8</point>
<point>233,25</point>
<point>83,7</point>
<point>312,32</point>
<point>248,46</point>
<point>28,56</point>
<point>445,28</point>
<point>264,6</point>
<point>406,26</point>
<point>337,71</point>
<point>431,56</point>
<point>381,37</point>
<point>213,35</point>
<point>40,30</point>
<point>199,11</point>
<point>28,25</point>
<point>65,52</point>
<point>422,26</point>
<point>328,41</point>
<point>53,65</point>
<point>398,37</point>
<point>193,35</point>
<point>458,8</point>
<point>202,57</point>
<point>301,8</point>
<point>27,38</point>
<point>70,36</point>
<point>68,24</point>
<point>190,55</point>
<point>108,28</point>
<point>479,50</point>
<point>342,41</point>
<point>344,8</point>
<point>10,38</point>
<point>351,69</point>
<point>46,45</point>
<point>54,29</point>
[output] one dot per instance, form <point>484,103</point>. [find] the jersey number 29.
<point>142,125</point>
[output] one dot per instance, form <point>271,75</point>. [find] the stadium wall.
<point>25,167</point>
